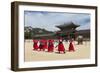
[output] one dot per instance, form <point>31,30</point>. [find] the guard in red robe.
<point>35,45</point>
<point>71,46</point>
<point>50,45</point>
<point>61,47</point>
<point>45,44</point>
<point>41,46</point>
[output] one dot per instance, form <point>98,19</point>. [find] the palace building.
<point>68,27</point>
<point>67,30</point>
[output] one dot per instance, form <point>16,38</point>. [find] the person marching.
<point>45,47</point>
<point>35,45</point>
<point>61,47</point>
<point>41,46</point>
<point>71,41</point>
<point>71,46</point>
<point>50,46</point>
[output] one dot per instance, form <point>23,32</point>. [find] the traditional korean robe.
<point>41,46</point>
<point>45,44</point>
<point>50,45</point>
<point>35,45</point>
<point>61,47</point>
<point>71,46</point>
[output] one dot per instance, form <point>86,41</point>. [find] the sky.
<point>48,20</point>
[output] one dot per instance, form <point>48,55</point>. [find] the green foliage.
<point>28,35</point>
<point>30,32</point>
